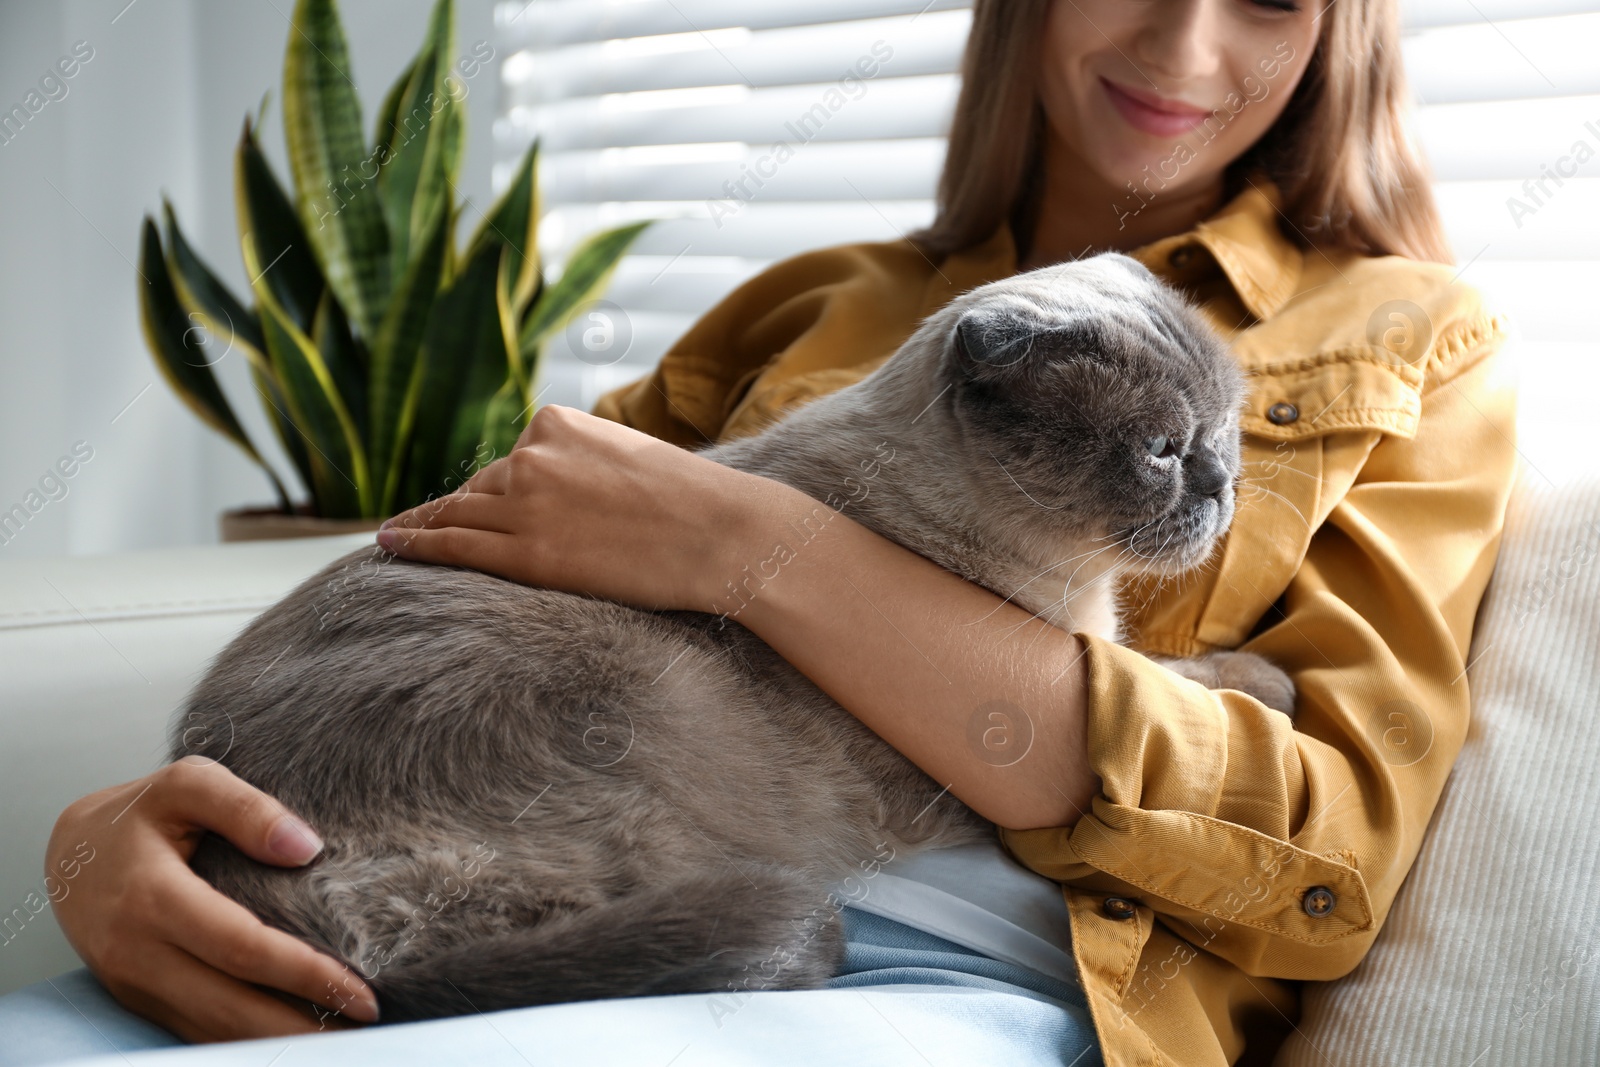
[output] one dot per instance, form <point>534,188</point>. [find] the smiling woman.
<point>1211,853</point>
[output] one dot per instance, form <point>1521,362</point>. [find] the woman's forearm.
<point>979,693</point>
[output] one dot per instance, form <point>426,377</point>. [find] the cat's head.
<point>1105,407</point>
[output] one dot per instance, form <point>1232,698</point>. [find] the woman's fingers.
<point>494,478</point>
<point>210,926</point>
<point>452,545</point>
<point>197,791</point>
<point>487,483</point>
<point>478,511</point>
<point>156,934</point>
<point>199,1003</point>
<point>227,937</point>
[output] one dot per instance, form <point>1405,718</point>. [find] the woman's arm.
<point>978,692</point>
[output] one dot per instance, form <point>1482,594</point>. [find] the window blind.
<point>1508,95</point>
<point>755,131</point>
<point>752,131</point>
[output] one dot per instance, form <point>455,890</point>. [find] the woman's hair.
<point>1341,153</point>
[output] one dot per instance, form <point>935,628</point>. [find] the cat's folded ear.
<point>995,351</point>
<point>990,349</point>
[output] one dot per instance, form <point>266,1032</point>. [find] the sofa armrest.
<point>96,654</point>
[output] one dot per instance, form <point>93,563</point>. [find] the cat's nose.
<point>1207,475</point>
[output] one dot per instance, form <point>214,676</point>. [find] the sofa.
<point>1491,955</point>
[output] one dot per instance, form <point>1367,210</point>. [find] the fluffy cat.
<point>529,796</point>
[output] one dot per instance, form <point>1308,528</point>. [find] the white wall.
<point>157,109</point>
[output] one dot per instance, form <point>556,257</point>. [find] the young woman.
<point>1211,853</point>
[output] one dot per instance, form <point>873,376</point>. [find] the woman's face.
<point>1166,93</point>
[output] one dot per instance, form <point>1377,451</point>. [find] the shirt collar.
<point>1243,239</point>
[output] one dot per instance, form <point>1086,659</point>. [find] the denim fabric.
<point>899,992</point>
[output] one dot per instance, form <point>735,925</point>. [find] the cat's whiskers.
<point>1024,492</point>
<point>1036,577</point>
<point>1278,466</point>
<point>1256,487</point>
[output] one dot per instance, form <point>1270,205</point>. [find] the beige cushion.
<point>1491,955</point>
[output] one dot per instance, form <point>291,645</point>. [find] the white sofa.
<point>96,652</point>
<point>1490,956</point>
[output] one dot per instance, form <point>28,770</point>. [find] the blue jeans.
<point>899,991</point>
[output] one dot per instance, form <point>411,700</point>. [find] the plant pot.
<point>270,524</point>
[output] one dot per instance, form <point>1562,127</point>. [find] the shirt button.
<point>1181,257</point>
<point>1282,413</point>
<point>1319,901</point>
<point>1120,908</point>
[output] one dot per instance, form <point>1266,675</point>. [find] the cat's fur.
<point>529,796</point>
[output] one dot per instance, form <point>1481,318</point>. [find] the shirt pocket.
<point>1308,427</point>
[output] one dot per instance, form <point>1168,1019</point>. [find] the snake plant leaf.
<point>512,405</point>
<point>419,172</point>
<point>272,235</point>
<point>455,136</point>
<point>396,375</point>
<point>170,335</point>
<point>464,361</point>
<point>508,318</point>
<point>588,270</point>
<point>277,408</point>
<point>327,154</point>
<point>452,258</point>
<point>383,133</point>
<point>504,419</point>
<point>345,356</point>
<point>514,221</point>
<point>203,294</point>
<point>337,458</point>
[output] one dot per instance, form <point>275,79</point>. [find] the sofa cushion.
<point>96,653</point>
<point>1491,954</point>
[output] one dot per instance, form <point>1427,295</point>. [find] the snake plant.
<point>388,361</point>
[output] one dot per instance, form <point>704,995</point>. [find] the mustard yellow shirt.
<point>1231,853</point>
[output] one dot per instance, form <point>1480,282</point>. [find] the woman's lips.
<point>1166,120</point>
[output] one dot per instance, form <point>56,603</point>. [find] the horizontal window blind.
<point>752,131</point>
<point>1508,95</point>
<point>755,131</point>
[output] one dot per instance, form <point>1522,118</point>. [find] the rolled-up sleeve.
<point>1238,827</point>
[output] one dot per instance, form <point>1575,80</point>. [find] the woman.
<point>1211,853</point>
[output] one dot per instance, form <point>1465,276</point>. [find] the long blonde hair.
<point>1341,152</point>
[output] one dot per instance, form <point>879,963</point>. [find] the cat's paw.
<point>1245,671</point>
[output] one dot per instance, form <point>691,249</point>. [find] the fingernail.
<point>386,524</point>
<point>363,1005</point>
<point>387,539</point>
<point>294,840</point>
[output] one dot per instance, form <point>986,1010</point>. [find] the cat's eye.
<point>1161,446</point>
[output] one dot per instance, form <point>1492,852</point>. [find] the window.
<point>753,130</point>
<point>1508,95</point>
<point>759,130</point>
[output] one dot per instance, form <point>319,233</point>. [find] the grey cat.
<point>529,796</point>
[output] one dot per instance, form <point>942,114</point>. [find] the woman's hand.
<point>587,505</point>
<point>165,943</point>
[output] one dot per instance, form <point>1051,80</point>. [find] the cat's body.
<point>529,796</point>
